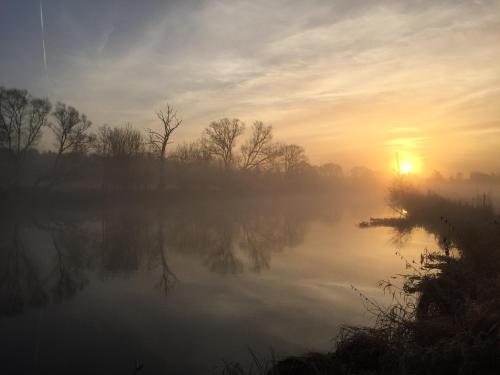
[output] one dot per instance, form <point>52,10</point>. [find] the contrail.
<point>43,38</point>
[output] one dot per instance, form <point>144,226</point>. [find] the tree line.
<point>227,152</point>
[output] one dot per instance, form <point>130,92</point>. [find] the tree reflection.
<point>220,256</point>
<point>20,284</point>
<point>69,263</point>
<point>168,279</point>
<point>264,235</point>
<point>125,239</point>
<point>52,257</point>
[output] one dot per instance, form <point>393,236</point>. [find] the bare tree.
<point>21,120</point>
<point>158,141</point>
<point>119,143</point>
<point>293,158</point>
<point>120,149</point>
<point>70,130</point>
<point>330,170</point>
<point>259,150</point>
<point>221,138</point>
<point>191,153</point>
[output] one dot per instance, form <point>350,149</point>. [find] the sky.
<point>354,82</point>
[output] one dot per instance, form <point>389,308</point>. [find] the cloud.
<point>408,143</point>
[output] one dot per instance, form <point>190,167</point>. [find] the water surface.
<point>183,286</point>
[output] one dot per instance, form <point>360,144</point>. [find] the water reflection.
<point>104,286</point>
<point>20,284</point>
<point>50,255</point>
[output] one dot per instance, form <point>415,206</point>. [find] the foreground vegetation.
<point>445,318</point>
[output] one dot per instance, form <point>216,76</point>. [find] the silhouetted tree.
<point>220,139</point>
<point>119,143</point>
<point>21,120</point>
<point>330,170</point>
<point>70,130</point>
<point>258,151</point>
<point>158,141</point>
<point>120,148</point>
<point>293,158</point>
<point>191,153</point>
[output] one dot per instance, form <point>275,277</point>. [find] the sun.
<point>407,163</point>
<point>405,167</point>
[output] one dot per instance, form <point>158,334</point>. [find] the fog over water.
<point>188,285</point>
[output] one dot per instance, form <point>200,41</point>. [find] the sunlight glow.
<point>407,163</point>
<point>405,167</point>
